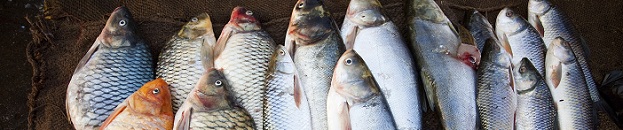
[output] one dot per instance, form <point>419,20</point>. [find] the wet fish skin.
<point>496,96</point>
<point>388,58</point>
<point>243,51</point>
<point>116,65</point>
<point>480,28</point>
<point>553,23</point>
<point>569,89</point>
<point>367,108</point>
<point>181,61</point>
<point>523,40</point>
<point>286,106</point>
<point>315,45</point>
<point>148,108</point>
<point>535,105</point>
<point>450,84</point>
<point>210,106</point>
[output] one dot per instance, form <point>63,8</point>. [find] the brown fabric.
<point>67,29</point>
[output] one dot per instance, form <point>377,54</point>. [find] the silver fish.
<point>480,29</point>
<point>314,42</point>
<point>566,82</point>
<point>286,106</point>
<point>553,23</point>
<point>185,57</point>
<point>450,84</point>
<point>210,106</point>
<point>367,108</point>
<point>366,29</point>
<point>520,39</point>
<point>243,51</point>
<point>115,66</point>
<point>496,96</point>
<point>535,105</point>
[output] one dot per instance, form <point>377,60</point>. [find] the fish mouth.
<point>242,15</point>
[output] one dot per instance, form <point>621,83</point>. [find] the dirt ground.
<point>15,72</point>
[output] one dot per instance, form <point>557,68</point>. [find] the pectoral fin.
<point>221,42</point>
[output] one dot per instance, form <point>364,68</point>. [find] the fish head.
<point>476,19</point>
<point>243,20</point>
<point>526,76</point>
<point>365,13</point>
<point>212,90</point>
<point>561,50</point>
<point>509,22</point>
<point>119,29</point>
<point>310,22</point>
<point>282,62</point>
<point>494,52</point>
<point>198,26</point>
<point>427,10</point>
<point>539,7</point>
<point>154,98</point>
<point>352,79</point>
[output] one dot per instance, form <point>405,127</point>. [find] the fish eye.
<point>472,60</point>
<point>509,13</point>
<point>301,5</point>
<point>281,52</point>
<point>349,61</point>
<point>194,19</point>
<point>249,12</point>
<point>218,83</point>
<point>122,23</point>
<point>155,91</point>
<point>522,69</point>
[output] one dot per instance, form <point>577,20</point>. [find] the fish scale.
<point>496,98</point>
<point>244,61</point>
<point>235,118</point>
<point>180,65</point>
<point>111,75</point>
<point>523,39</point>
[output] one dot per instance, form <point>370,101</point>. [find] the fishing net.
<point>67,28</point>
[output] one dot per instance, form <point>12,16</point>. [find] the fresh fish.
<point>367,108</point>
<point>496,96</point>
<point>243,51</point>
<point>367,30</point>
<point>480,28</point>
<point>210,106</point>
<point>286,106</point>
<point>148,108</point>
<point>314,42</point>
<point>566,82</point>
<point>521,39</point>
<point>553,23</point>
<point>450,84</point>
<point>115,66</point>
<point>184,57</point>
<point>535,105</point>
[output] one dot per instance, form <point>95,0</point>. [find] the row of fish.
<point>530,75</point>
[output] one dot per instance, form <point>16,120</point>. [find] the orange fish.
<point>148,108</point>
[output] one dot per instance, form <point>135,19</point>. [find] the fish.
<point>535,104</point>
<point>210,105</point>
<point>147,108</point>
<point>117,64</point>
<point>480,28</point>
<point>314,43</point>
<point>186,56</point>
<point>496,98</point>
<point>521,39</point>
<point>367,107</point>
<point>386,54</point>
<point>286,106</point>
<point>243,51</point>
<point>551,22</point>
<point>449,82</point>
<point>569,89</point>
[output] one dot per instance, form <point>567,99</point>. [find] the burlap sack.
<point>63,34</point>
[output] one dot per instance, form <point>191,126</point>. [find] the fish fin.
<point>506,44</point>
<point>67,112</point>
<point>556,75</point>
<point>535,21</point>
<point>88,55</point>
<point>465,35</point>
<point>349,40</point>
<point>290,45</point>
<point>221,42</point>
<point>585,48</point>
<point>469,54</point>
<point>612,77</point>
<point>424,102</point>
<point>207,58</point>
<point>428,88</point>
<point>184,121</point>
<point>120,108</point>
<point>298,92</point>
<point>337,112</point>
